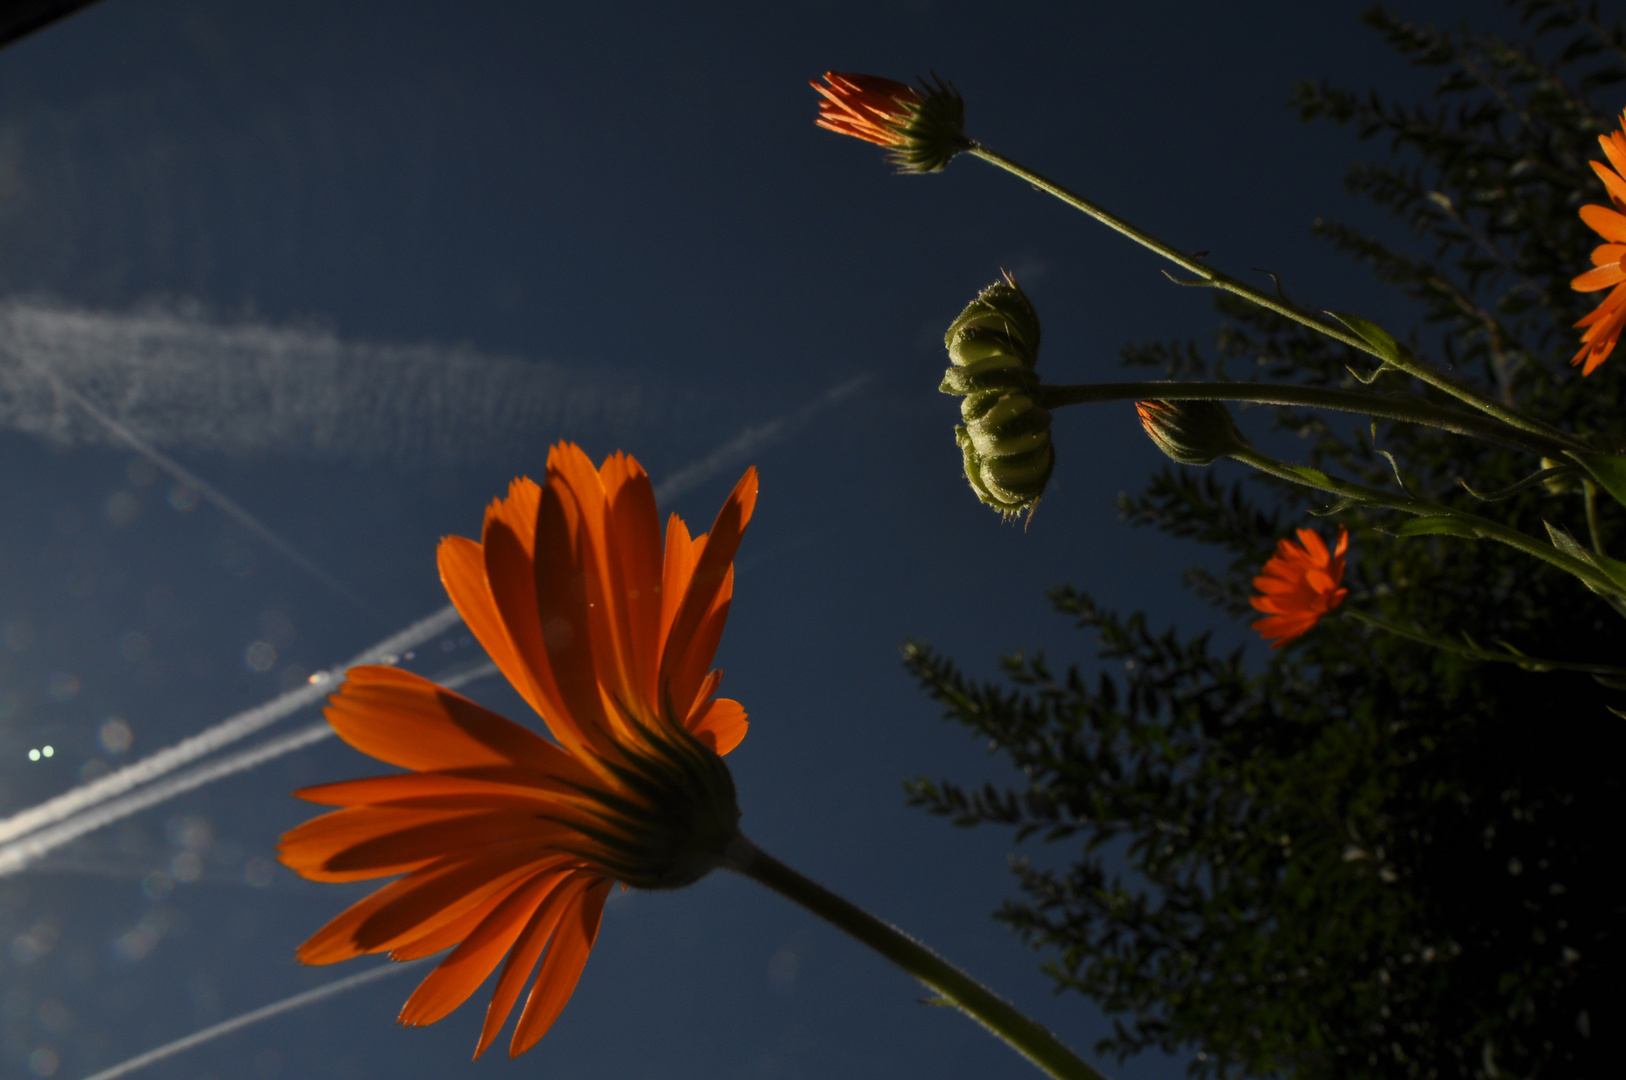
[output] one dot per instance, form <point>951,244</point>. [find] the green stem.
<point>1212,278</point>
<point>1472,652</point>
<point>1589,492</point>
<point>1483,527</point>
<point>1407,408</point>
<point>1028,1038</point>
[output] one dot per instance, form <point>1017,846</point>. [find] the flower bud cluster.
<point>1005,439</point>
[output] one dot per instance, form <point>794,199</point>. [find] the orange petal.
<point>463,573</point>
<point>711,574</point>
<point>406,720</point>
<point>1606,222</point>
<point>720,725</point>
<point>448,934</point>
<point>635,567</point>
<point>465,834</point>
<point>527,950</point>
<point>1611,180</point>
<point>688,673</point>
<point>1604,254</point>
<point>306,848</point>
<point>561,968</point>
<point>498,784</point>
<point>461,973</point>
<point>567,553</point>
<point>442,896</point>
<point>1599,277</point>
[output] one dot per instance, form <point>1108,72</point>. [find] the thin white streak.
<point>198,484</point>
<point>749,441</point>
<point>18,854</point>
<point>266,1012</point>
<point>223,734</point>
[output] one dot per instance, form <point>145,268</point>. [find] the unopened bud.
<point>1191,432</point>
<point>1005,440</point>
<point>922,128</point>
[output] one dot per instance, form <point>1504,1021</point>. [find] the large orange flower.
<point>508,842</point>
<point>1604,324</point>
<point>1300,585</point>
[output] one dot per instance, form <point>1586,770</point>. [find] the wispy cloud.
<point>176,380</point>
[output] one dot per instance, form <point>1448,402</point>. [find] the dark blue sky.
<point>356,265</point>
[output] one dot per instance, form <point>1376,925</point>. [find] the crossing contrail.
<point>18,854</point>
<point>265,1012</point>
<point>220,735</point>
<point>205,489</point>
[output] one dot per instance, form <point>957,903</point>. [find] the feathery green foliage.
<point>1370,858</point>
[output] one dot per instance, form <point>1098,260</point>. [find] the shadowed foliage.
<point>1359,857</point>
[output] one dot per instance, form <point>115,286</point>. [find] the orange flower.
<point>1300,584</point>
<point>923,129</point>
<point>866,106</point>
<point>1604,324</point>
<point>508,842</point>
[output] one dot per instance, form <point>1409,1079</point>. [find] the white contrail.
<point>749,441</point>
<point>220,735</point>
<point>213,494</point>
<point>18,854</point>
<point>266,1012</point>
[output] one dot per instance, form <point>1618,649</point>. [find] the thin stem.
<point>1408,408</point>
<point>1212,278</point>
<point>1030,1039</point>
<point>1473,652</point>
<point>1589,492</point>
<point>1483,527</point>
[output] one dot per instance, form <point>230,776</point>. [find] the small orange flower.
<point>1300,585</point>
<point>509,843</point>
<point>1604,324</point>
<point>866,106</point>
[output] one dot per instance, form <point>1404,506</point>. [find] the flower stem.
<point>1406,408</point>
<point>1480,527</point>
<point>1208,276</point>
<point>957,988</point>
<point>1474,652</point>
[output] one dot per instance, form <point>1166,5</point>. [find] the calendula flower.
<point>1604,324</point>
<point>922,128</point>
<point>508,843</point>
<point>1300,585</point>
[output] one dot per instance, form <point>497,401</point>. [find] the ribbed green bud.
<point>1005,440</point>
<point>1191,432</point>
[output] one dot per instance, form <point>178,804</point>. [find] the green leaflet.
<point>1438,525</point>
<point>1614,569</point>
<point>1609,470</point>
<point>1374,335</point>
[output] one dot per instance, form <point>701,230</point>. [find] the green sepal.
<point>1438,525</point>
<point>1374,335</point>
<point>1609,470</point>
<point>1613,569</point>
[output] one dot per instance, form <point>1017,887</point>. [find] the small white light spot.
<point>33,755</point>
<point>47,751</point>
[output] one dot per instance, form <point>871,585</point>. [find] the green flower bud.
<point>1191,432</point>
<point>1005,440</point>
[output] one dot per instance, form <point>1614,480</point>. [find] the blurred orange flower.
<point>509,843</point>
<point>866,106</point>
<point>1300,585</point>
<point>1604,324</point>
